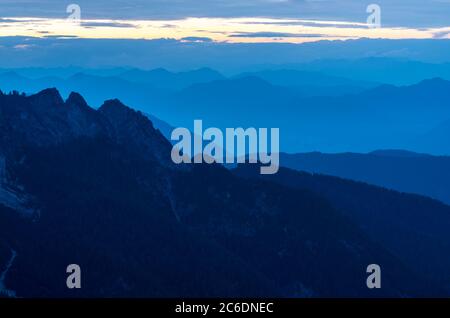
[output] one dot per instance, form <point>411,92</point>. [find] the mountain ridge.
<point>99,199</point>
<point>398,170</point>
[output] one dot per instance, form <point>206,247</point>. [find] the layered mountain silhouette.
<point>436,138</point>
<point>314,111</point>
<point>384,117</point>
<point>389,70</point>
<point>311,83</point>
<point>161,78</point>
<point>399,170</point>
<point>97,188</point>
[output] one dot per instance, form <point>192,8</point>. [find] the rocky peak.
<point>77,100</point>
<point>120,115</point>
<point>47,98</point>
<point>135,130</point>
<point>45,119</point>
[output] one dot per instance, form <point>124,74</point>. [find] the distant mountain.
<point>95,88</point>
<point>158,78</point>
<point>248,89</point>
<point>396,153</point>
<point>134,86</point>
<point>399,170</point>
<point>63,72</point>
<point>11,81</point>
<point>298,78</point>
<point>305,82</point>
<point>225,102</point>
<point>311,83</point>
<point>387,70</point>
<point>97,188</point>
<point>421,90</point>
<point>382,117</point>
<point>162,126</point>
<point>435,138</point>
<point>162,78</point>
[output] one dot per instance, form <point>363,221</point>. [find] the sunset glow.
<point>233,30</point>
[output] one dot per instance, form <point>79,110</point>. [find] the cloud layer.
<point>249,30</point>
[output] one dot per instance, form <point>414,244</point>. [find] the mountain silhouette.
<point>311,83</point>
<point>162,78</point>
<point>97,188</point>
<point>389,70</point>
<point>399,170</point>
<point>406,225</point>
<point>386,117</point>
<point>322,118</point>
<point>435,138</point>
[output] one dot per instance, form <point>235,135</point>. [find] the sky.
<point>232,21</point>
<point>224,34</point>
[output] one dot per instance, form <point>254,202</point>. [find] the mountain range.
<point>381,69</point>
<point>385,117</point>
<point>96,187</point>
<point>393,169</point>
<point>314,111</point>
<point>411,227</point>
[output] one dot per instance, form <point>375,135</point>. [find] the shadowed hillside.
<point>97,188</point>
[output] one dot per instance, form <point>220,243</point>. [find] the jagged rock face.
<point>46,119</point>
<point>10,195</point>
<point>135,130</point>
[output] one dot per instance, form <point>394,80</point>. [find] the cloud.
<point>3,20</point>
<point>275,35</point>
<point>196,39</point>
<point>96,24</point>
<point>442,34</point>
<point>23,46</point>
<point>56,36</point>
<point>318,23</point>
